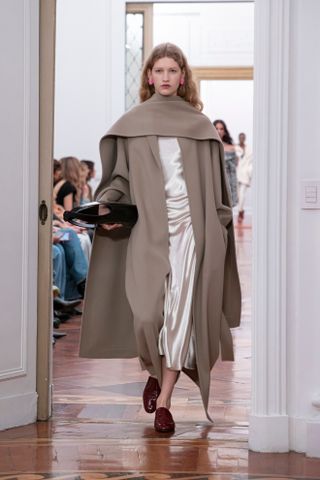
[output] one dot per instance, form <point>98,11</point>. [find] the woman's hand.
<point>108,226</point>
<point>111,226</point>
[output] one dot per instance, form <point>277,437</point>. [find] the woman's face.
<point>220,129</point>
<point>57,175</point>
<point>166,76</point>
<point>84,170</point>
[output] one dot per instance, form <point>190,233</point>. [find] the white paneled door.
<point>19,153</point>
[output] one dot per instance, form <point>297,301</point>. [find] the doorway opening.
<point>218,79</point>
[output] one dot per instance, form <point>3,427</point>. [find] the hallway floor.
<point>99,429</point>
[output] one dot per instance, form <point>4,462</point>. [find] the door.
<point>26,121</point>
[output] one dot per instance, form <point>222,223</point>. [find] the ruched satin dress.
<point>176,339</point>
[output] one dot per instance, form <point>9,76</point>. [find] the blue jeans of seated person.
<point>59,268</point>
<point>76,265</point>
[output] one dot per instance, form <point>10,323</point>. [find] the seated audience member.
<point>75,265</point>
<point>83,233</point>
<point>66,190</point>
<point>86,195</point>
<point>66,196</point>
<point>59,273</point>
<point>91,182</point>
<point>62,309</point>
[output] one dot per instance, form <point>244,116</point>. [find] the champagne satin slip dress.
<point>176,339</point>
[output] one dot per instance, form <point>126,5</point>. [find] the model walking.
<point>168,290</point>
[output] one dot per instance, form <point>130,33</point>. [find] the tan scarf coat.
<point>123,310</point>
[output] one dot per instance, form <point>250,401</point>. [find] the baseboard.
<point>16,410</point>
<point>298,434</point>
<point>269,433</point>
<point>313,439</point>
<point>305,436</point>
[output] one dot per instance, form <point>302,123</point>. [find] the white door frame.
<point>269,420</point>
<point>46,116</point>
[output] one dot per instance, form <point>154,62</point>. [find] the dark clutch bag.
<point>87,215</point>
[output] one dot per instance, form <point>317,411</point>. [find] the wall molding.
<point>147,10</point>
<point>269,433</point>
<point>26,168</point>
<point>223,73</point>
<point>269,376</point>
<point>298,434</point>
<point>21,369</point>
<point>313,435</point>
<point>15,372</point>
<point>304,435</point>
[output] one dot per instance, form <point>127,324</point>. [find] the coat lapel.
<point>153,143</point>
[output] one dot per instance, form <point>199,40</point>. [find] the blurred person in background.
<point>230,158</point>
<point>244,173</point>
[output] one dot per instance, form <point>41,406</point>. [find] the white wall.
<point>19,47</point>
<point>213,34</point>
<point>304,227</point>
<point>232,101</point>
<point>89,75</point>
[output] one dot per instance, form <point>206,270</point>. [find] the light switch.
<point>310,194</point>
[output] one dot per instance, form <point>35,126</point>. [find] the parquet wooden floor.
<point>99,429</point>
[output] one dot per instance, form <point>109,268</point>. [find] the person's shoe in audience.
<point>62,316</point>
<point>75,312</point>
<point>55,291</point>
<point>58,334</point>
<point>81,286</point>
<point>56,322</point>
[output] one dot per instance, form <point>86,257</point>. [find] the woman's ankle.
<point>163,402</point>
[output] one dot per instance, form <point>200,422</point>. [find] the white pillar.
<point>269,426</point>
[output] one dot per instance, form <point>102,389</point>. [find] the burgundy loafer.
<point>150,394</point>
<point>163,421</point>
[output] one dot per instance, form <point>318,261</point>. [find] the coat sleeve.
<point>114,185</point>
<point>107,329</point>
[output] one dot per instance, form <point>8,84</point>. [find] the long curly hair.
<point>71,172</point>
<point>188,91</point>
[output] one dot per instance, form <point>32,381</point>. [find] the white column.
<point>269,426</point>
